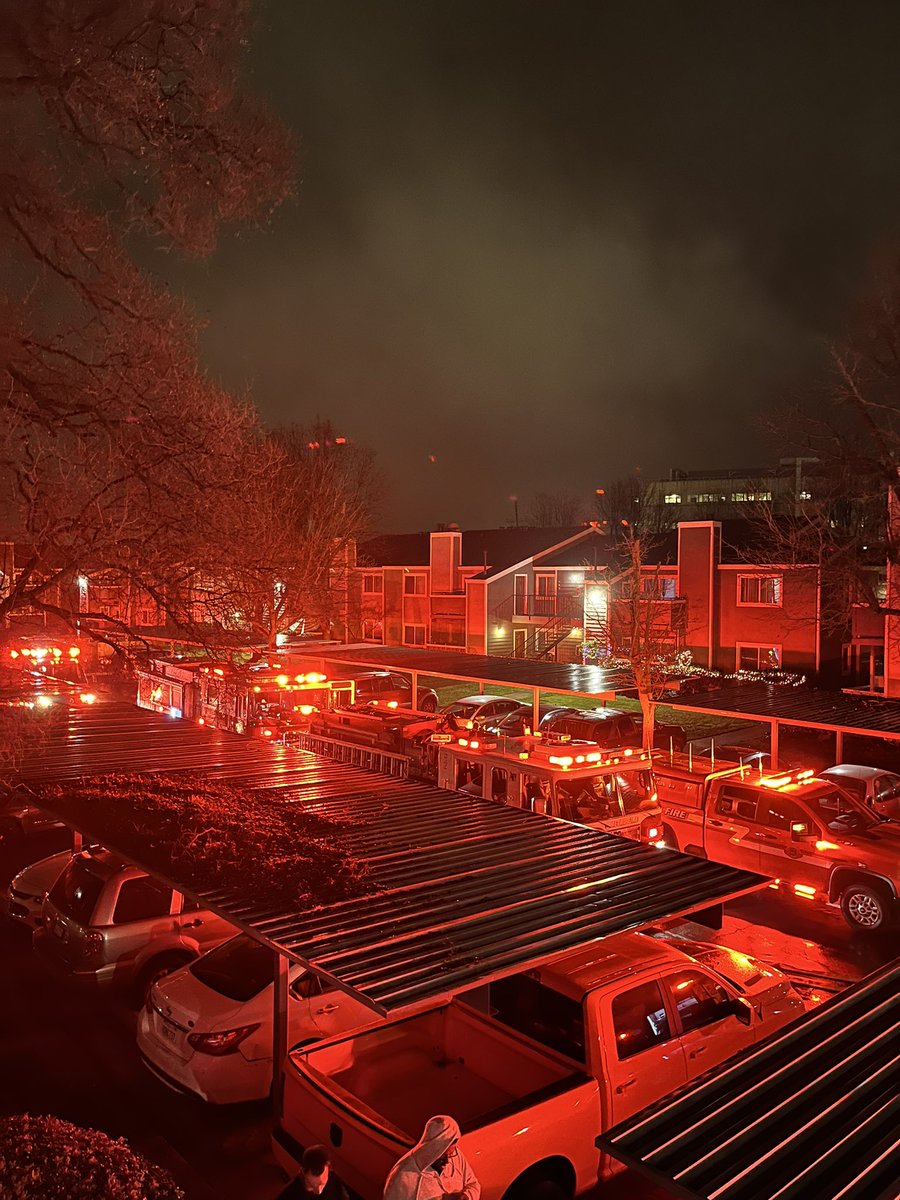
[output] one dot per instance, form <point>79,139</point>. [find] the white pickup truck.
<point>533,1066</point>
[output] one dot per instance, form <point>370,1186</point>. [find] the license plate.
<point>168,1032</point>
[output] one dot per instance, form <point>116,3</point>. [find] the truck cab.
<point>574,781</point>
<point>815,840</point>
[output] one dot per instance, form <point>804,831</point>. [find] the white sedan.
<point>207,1027</point>
<point>25,894</point>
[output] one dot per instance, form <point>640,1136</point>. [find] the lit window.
<point>413,635</point>
<point>758,658</point>
<point>372,584</point>
<point>414,585</point>
<point>759,589</point>
<point>672,498</point>
<point>806,495</point>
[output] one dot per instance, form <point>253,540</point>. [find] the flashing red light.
<point>601,491</point>
<point>267,733</point>
<point>13,654</point>
<point>201,721</point>
<point>340,441</point>
<point>73,652</point>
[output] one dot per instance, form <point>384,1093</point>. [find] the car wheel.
<point>865,906</point>
<point>152,972</point>
<point>428,704</point>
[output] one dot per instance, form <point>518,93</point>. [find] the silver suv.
<point>107,922</point>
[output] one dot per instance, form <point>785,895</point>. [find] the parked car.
<point>877,788</point>
<point>25,895</point>
<point>515,722</point>
<point>207,1027</point>
<point>481,712</point>
<point>388,687</point>
<point>611,727</point>
<point>534,1065</point>
<point>107,922</point>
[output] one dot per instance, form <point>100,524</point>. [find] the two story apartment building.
<point>551,593</point>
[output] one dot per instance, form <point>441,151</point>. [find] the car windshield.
<point>77,890</point>
<point>463,708</point>
<point>840,812</point>
<point>239,969</point>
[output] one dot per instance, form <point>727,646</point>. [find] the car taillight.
<point>92,945</point>
<point>220,1043</point>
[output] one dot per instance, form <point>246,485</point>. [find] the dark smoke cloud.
<point>545,243</point>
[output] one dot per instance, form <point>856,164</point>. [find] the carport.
<point>780,706</point>
<point>596,683</point>
<point>810,1114</point>
<point>459,890</point>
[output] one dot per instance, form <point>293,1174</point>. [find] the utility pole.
<point>515,501</point>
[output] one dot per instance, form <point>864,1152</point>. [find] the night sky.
<point>547,242</point>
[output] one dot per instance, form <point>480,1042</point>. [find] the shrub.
<point>44,1158</point>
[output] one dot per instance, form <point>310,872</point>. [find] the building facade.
<point>554,593</point>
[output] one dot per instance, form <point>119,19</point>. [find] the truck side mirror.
<point>742,1009</point>
<point>799,830</point>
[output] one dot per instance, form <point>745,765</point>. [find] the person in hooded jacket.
<point>434,1168</point>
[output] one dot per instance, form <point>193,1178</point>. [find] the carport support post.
<point>773,745</point>
<point>279,1033</point>
<point>839,745</point>
<point>414,684</point>
<point>535,709</point>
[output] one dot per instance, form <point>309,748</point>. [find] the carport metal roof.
<point>809,1114</point>
<point>579,680</point>
<point>813,707</point>
<point>460,890</point>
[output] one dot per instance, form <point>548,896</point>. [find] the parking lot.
<point>71,1053</point>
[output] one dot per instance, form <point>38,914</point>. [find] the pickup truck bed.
<point>460,1061</point>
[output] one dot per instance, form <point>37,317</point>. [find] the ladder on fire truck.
<point>371,758</point>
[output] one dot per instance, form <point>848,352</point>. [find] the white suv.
<point>107,922</point>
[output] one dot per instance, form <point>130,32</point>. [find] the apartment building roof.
<point>491,550</point>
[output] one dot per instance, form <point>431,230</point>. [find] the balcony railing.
<point>558,604</point>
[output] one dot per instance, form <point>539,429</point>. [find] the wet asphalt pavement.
<point>72,1053</point>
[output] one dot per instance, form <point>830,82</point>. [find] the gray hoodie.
<point>412,1178</point>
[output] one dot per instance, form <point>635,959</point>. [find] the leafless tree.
<point>298,535</point>
<point>842,523</point>
<point>125,126</point>
<point>555,510</point>
<point>637,629</point>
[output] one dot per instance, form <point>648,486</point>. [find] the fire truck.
<point>550,774</point>
<point>576,781</point>
<point>264,700</point>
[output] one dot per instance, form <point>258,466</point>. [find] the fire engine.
<point>575,781</point>
<point>551,774</point>
<point>264,700</point>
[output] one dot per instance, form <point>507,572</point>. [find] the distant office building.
<point>720,495</point>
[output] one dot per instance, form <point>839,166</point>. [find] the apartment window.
<point>414,585</point>
<point>758,658</point>
<point>659,587</point>
<point>672,498</point>
<point>759,589</point>
<point>373,585</point>
<point>740,497</point>
<point>373,631</point>
<point>806,495</point>
<point>448,631</point>
<point>413,635</point>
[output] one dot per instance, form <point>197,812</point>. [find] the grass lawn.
<point>695,724</point>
